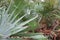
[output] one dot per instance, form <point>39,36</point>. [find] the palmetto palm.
<point>9,25</point>
<point>47,9</point>
<point>12,18</point>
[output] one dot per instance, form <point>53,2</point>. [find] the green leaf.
<point>27,34</point>
<point>36,36</point>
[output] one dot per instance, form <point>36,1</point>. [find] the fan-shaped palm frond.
<point>7,24</point>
